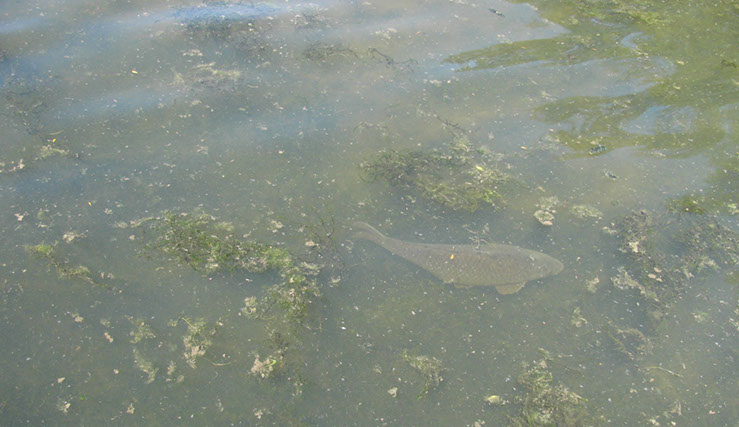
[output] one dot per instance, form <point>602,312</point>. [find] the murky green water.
<point>603,134</point>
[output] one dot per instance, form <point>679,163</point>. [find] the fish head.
<point>542,265</point>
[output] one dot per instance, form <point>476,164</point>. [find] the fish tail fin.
<point>362,230</point>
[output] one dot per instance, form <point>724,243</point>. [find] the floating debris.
<point>393,392</point>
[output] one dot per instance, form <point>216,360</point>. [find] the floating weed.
<point>63,405</point>
<point>266,368</point>
<point>197,340</point>
<point>141,332</point>
<point>171,373</point>
<point>144,366</point>
<point>430,367</point>
<point>461,178</point>
<point>63,267</point>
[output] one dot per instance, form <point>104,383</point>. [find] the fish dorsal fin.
<point>509,289</point>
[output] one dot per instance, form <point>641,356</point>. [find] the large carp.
<point>506,267</point>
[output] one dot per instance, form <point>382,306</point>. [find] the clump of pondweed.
<point>666,251</point>
<point>546,404</point>
<point>430,367</point>
<point>206,245</point>
<point>462,178</point>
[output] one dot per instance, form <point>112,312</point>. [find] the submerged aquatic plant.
<point>145,366</point>
<point>664,252</point>
<point>461,178</point>
<point>208,246</point>
<point>546,404</point>
<point>630,342</point>
<point>198,240</point>
<point>63,267</point>
<point>197,340</point>
<point>142,332</point>
<point>430,367</point>
<point>687,108</point>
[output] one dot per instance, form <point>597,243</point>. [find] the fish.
<point>505,267</point>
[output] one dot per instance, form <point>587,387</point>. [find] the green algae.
<point>691,107</point>
<point>461,178</point>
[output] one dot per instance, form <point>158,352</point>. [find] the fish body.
<point>506,267</point>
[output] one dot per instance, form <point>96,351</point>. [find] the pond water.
<point>179,181</point>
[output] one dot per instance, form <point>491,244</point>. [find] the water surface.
<point>261,115</point>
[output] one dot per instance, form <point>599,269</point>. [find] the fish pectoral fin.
<point>509,289</point>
